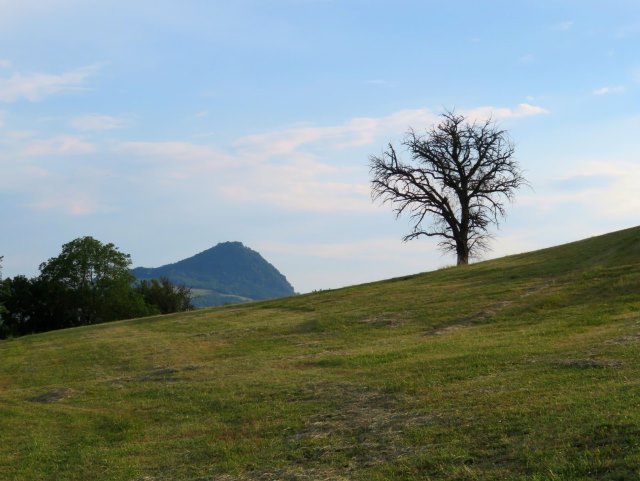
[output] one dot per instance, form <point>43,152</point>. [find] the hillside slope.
<point>521,368</point>
<point>224,274</point>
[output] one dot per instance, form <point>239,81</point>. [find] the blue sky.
<point>166,127</point>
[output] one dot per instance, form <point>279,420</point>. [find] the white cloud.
<point>522,110</point>
<point>619,198</point>
<point>4,63</point>
<point>13,10</point>
<point>184,151</point>
<point>178,161</point>
<point>355,132</point>
<point>297,168</point>
<point>97,122</point>
<point>526,110</point>
<point>73,203</point>
<point>296,182</point>
<point>287,172</point>
<point>359,131</point>
<point>604,188</point>
<point>291,193</point>
<point>609,90</point>
<point>64,144</point>
<point>18,135</point>
<point>37,86</point>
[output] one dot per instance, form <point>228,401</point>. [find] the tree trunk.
<point>462,239</point>
<point>462,248</point>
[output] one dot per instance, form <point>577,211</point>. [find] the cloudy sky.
<point>168,126</point>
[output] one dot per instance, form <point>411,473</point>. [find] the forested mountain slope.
<point>226,273</point>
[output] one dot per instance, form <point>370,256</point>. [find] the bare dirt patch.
<point>486,313</point>
<point>385,319</point>
<point>164,374</point>
<point>589,363</point>
<point>631,338</point>
<point>52,395</point>
<point>361,428</point>
<point>160,374</point>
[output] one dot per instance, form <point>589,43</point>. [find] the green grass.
<point>523,368</point>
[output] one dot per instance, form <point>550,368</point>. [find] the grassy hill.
<point>523,368</point>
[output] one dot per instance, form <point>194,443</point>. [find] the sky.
<point>166,127</point>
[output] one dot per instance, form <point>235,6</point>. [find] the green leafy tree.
<point>3,293</point>
<point>165,297</point>
<point>93,281</point>
<point>26,312</point>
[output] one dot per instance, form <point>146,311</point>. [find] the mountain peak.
<point>227,272</point>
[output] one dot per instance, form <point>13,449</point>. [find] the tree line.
<point>88,283</point>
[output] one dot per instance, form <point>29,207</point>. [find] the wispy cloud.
<point>604,188</point>
<point>73,203</point>
<point>97,122</point>
<point>175,150</point>
<point>305,182</point>
<point>293,180</point>
<point>4,63</point>
<point>14,11</point>
<point>355,132</point>
<point>64,144</point>
<point>37,86</point>
<point>618,89</point>
<point>618,197</point>
<point>296,168</point>
<point>178,161</point>
<point>496,113</point>
<point>307,168</point>
<point>300,183</point>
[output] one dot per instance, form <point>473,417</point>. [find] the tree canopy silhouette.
<point>95,279</point>
<point>455,184</point>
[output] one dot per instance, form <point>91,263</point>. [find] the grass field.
<point>523,368</point>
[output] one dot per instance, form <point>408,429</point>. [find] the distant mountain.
<point>225,274</point>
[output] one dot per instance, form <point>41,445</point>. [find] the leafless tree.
<point>456,183</point>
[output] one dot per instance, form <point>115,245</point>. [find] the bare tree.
<point>457,181</point>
